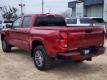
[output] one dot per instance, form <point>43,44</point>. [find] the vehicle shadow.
<point>20,52</point>
<point>64,68</point>
<point>73,69</point>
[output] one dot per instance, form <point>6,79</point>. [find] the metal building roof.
<point>93,2</point>
<point>86,3</point>
<point>72,4</point>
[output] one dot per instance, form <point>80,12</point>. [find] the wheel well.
<point>35,43</point>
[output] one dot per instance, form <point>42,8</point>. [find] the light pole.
<point>42,6</point>
<point>22,5</point>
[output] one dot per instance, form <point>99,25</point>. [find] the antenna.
<point>49,11</point>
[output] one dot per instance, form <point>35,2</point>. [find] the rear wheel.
<point>5,46</point>
<point>41,60</point>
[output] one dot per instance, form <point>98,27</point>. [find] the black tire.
<point>45,63</point>
<point>5,46</point>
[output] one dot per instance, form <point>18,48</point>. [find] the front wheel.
<point>41,60</point>
<point>5,46</point>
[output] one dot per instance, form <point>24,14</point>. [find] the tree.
<point>9,13</point>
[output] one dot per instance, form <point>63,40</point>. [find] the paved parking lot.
<point>18,65</point>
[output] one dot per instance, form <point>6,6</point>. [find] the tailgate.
<point>85,37</point>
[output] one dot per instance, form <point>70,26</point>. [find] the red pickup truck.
<point>48,38</point>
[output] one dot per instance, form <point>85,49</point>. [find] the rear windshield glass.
<point>50,21</point>
<point>88,21</point>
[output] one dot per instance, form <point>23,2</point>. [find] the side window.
<point>26,21</point>
<point>16,23</point>
<point>72,21</point>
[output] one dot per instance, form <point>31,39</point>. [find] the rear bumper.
<point>80,55</point>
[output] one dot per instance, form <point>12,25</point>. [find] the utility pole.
<point>42,6</point>
<point>22,5</point>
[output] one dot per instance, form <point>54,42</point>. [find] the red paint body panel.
<point>77,38</point>
<point>77,56</point>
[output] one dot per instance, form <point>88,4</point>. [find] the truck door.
<point>14,33</point>
<point>25,32</point>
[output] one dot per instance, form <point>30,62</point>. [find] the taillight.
<point>63,39</point>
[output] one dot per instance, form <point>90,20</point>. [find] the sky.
<point>34,6</point>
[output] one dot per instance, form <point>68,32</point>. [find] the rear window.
<point>50,21</point>
<point>88,21</point>
<point>26,21</point>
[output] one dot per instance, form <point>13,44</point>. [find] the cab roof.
<point>56,15</point>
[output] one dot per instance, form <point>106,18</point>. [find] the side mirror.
<point>8,26</point>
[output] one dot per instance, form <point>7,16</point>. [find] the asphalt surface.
<point>18,65</point>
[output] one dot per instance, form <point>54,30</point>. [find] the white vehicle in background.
<point>86,21</point>
<point>4,24</point>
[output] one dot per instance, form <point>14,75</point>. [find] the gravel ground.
<point>19,66</point>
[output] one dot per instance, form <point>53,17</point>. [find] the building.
<point>89,8</point>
